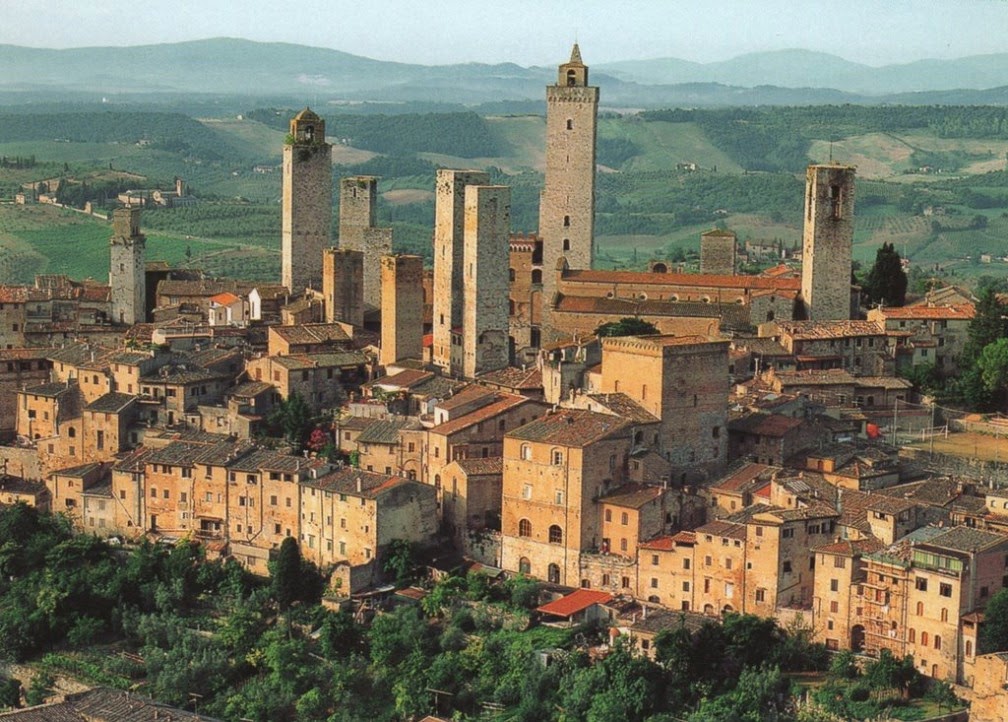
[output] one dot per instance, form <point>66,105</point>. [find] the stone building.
<point>343,285</point>
<point>402,308</point>
<point>827,241</point>
<point>307,202</point>
<point>357,231</point>
<point>19,368</point>
<point>717,252</point>
<point>839,570</point>
<point>665,570</point>
<point>554,470</point>
<point>681,380</point>
<point>485,338</point>
<point>936,333</point>
<point>525,302</point>
<point>127,259</point>
<point>449,250</point>
<point>567,202</point>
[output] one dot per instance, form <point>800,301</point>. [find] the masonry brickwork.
<point>449,232</point>
<point>402,308</point>
<point>127,256</point>
<point>717,252</point>
<point>826,242</point>
<point>485,279</point>
<point>343,285</point>
<point>358,232</point>
<point>567,202</point>
<point>306,223</point>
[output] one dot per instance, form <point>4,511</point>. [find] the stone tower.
<point>401,308</point>
<point>307,202</point>
<point>449,228</point>
<point>343,285</point>
<point>357,232</point>
<point>717,252</point>
<point>485,345</point>
<point>567,201</point>
<point>127,258</point>
<point>826,245</point>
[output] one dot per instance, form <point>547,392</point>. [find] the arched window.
<point>71,432</point>
<point>944,614</point>
<point>537,275</point>
<point>524,528</point>
<point>437,481</point>
<point>553,574</point>
<point>654,599</point>
<point>912,636</point>
<point>526,452</point>
<point>924,639</point>
<point>524,566</point>
<point>566,221</point>
<point>556,457</point>
<point>511,274</point>
<point>566,244</point>
<point>937,641</point>
<point>511,307</point>
<point>920,609</point>
<point>969,648</point>
<point>571,77</point>
<point>555,534</point>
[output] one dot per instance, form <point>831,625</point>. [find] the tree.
<point>399,560</point>
<point>993,367</point>
<point>286,574</point>
<point>994,632</point>
<point>628,326</point>
<point>294,419</point>
<point>986,327</point>
<point>886,282</point>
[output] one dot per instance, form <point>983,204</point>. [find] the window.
<point>625,582</point>
<point>728,563</point>
<point>527,491</point>
<point>834,585</point>
<point>944,614</point>
<point>786,567</point>
<point>608,514</point>
<point>525,528</point>
<point>526,452</point>
<point>557,457</point>
<point>945,589</point>
<point>707,561</point>
<point>623,545</point>
<point>912,636</point>
<point>839,562</point>
<point>654,582</point>
<point>524,566</point>
<point>920,609</point>
<point>787,533</point>
<point>654,560</point>
<point>761,595</point>
<point>921,584</point>
<point>686,563</point>
<point>555,534</point>
<point>924,639</point>
<point>834,607</point>
<point>624,518</point>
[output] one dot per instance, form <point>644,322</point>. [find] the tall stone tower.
<point>127,257</point>
<point>826,244</point>
<point>717,252</point>
<point>567,202</point>
<point>307,202</point>
<point>357,231</point>
<point>343,285</point>
<point>402,308</point>
<point>449,230</point>
<point>485,345</point>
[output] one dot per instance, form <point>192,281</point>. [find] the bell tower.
<point>567,201</point>
<point>307,202</point>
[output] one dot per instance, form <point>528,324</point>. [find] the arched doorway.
<point>857,638</point>
<point>553,574</point>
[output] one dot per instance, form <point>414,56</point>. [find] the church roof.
<point>307,114</point>
<point>575,58</point>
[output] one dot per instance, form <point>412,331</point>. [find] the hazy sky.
<point>531,32</point>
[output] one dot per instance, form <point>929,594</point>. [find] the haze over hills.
<point>230,66</point>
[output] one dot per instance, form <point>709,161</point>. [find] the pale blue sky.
<point>532,32</point>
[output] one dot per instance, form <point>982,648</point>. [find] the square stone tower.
<point>306,226</point>
<point>485,345</point>
<point>717,252</point>
<point>567,201</point>
<point>357,232</point>
<point>343,285</point>
<point>402,308</point>
<point>449,228</point>
<point>826,243</point>
<point>127,259</point>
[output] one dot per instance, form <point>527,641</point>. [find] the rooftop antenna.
<point>831,150</point>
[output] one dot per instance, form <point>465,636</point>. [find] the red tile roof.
<point>668,543</point>
<point>681,279</point>
<point>575,602</point>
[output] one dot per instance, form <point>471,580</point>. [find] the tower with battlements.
<point>127,258</point>
<point>827,240</point>
<point>343,285</point>
<point>567,201</point>
<point>307,202</point>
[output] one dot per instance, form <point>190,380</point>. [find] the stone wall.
<point>827,239</point>
<point>485,279</point>
<point>306,216</point>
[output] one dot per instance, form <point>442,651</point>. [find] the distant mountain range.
<point>227,66</point>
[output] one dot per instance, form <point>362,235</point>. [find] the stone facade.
<point>357,231</point>
<point>485,345</point>
<point>449,231</point>
<point>402,308</point>
<point>717,252</point>
<point>525,302</point>
<point>683,381</point>
<point>307,202</point>
<point>127,258</point>
<point>567,202</point>
<point>826,243</point>
<point>343,285</point>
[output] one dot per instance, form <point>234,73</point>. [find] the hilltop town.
<point>743,455</point>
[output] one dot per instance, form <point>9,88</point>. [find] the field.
<point>967,444</point>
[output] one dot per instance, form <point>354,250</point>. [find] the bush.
<point>859,693</point>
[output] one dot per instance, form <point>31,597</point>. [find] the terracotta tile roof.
<point>311,333</point>
<point>17,485</point>
<point>489,466</point>
<point>744,476</point>
<point>473,393</point>
<point>659,341</point>
<point>571,427</point>
<point>224,299</point>
<point>936,491</point>
<point>346,480</point>
<point>385,431</point>
<point>810,330</point>
<point>575,602</point>
<point>901,551</point>
<point>774,425</point>
<point>404,379</point>
<point>619,404</point>
<point>111,403</point>
<point>813,377</point>
<point>964,312</point>
<point>659,620</point>
<point>669,542</point>
<point>641,278</point>
<point>513,377</point>
<point>298,362</point>
<point>632,496</point>
<point>892,383</point>
<point>730,315</point>
<point>965,539</point>
<point>504,402</point>
<point>53,390</point>
<point>727,529</point>
<point>13,294</point>
<point>250,388</point>
<point>849,548</point>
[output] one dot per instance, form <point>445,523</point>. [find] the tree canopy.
<point>886,282</point>
<point>627,326</point>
